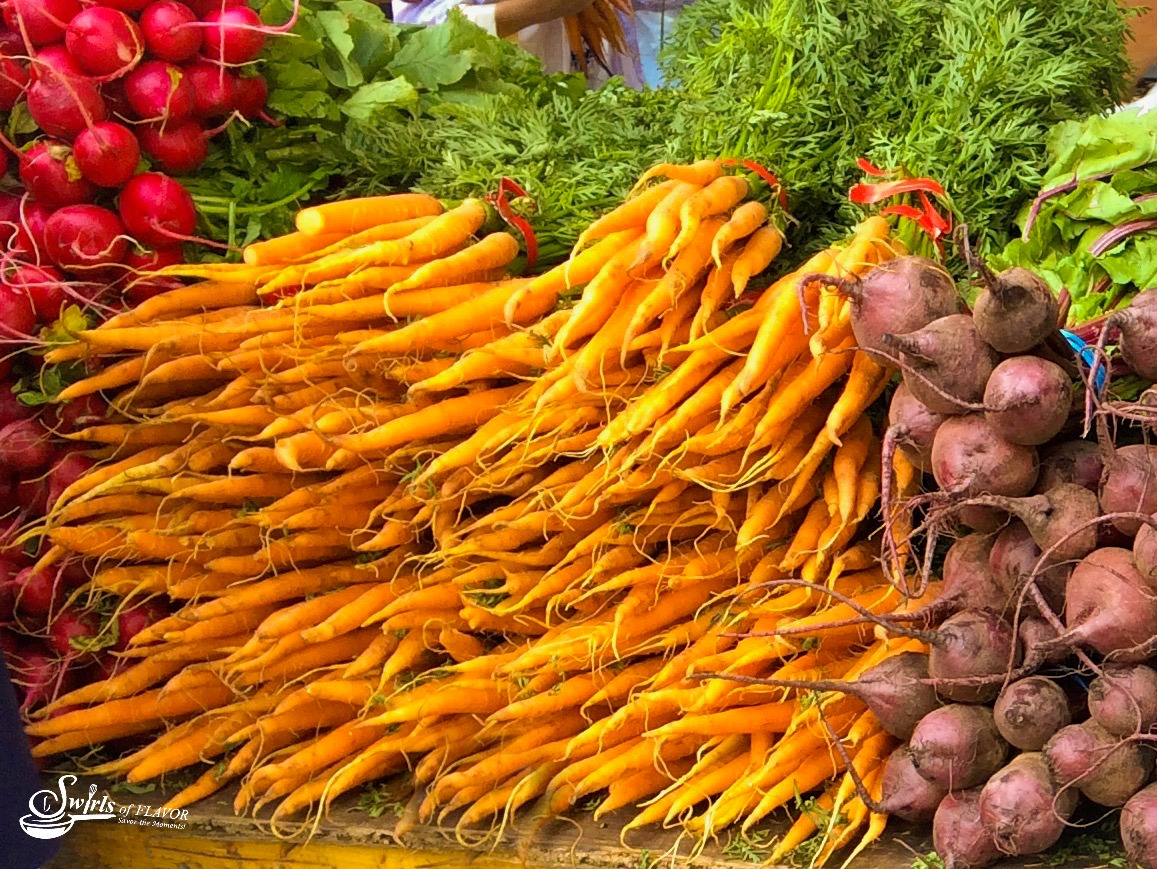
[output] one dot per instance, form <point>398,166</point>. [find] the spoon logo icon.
<point>49,811</point>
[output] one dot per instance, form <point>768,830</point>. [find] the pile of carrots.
<point>525,537</point>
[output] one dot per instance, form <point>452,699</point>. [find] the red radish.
<point>63,107</point>
<point>32,495</point>
<point>107,154</point>
<point>54,62</point>
<point>11,43</point>
<point>49,172</point>
<point>9,217</point>
<point>105,667</point>
<point>116,101</point>
<point>249,95</point>
<point>17,318</point>
<point>959,837</point>
<point>167,31</point>
<point>1139,828</point>
<point>234,35</point>
<point>74,574</point>
<point>957,746</point>
<point>159,91</point>
<point>42,21</point>
<point>947,362</point>
<point>28,242</point>
<point>66,472</point>
<point>145,260</point>
<point>141,285</point>
<point>157,210</point>
<point>85,238</point>
<point>72,634</point>
<point>131,622</point>
<point>177,148</point>
<point>129,6</point>
<point>1027,400</point>
<point>1124,699</point>
<point>41,678</point>
<point>1029,711</point>
<point>1130,485</point>
<point>203,7</point>
<point>44,287</point>
<point>25,447</point>
<point>12,409</point>
<point>80,413</point>
<point>104,42</point>
<point>141,290</point>
<point>1022,807</point>
<point>38,592</point>
<point>13,81</point>
<point>214,90</point>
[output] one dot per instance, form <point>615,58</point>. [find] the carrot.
<point>745,220</point>
<point>354,215</point>
<point>286,248</point>
<point>718,197</point>
<point>662,227</point>
<point>380,232</point>
<point>700,174</point>
<point>758,253</point>
<point>494,251</point>
<point>599,298</point>
<point>631,214</point>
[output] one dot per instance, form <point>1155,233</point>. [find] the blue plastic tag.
<point>1088,355</point>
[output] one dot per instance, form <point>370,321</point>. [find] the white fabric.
<point>653,28</point>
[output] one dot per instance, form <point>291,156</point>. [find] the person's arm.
<point>511,16</point>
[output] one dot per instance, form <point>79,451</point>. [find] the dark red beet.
<point>915,426</point>
<point>1029,711</point>
<point>948,363</point>
<point>957,746</point>
<point>1130,484</point>
<point>971,644</point>
<point>1124,699</point>
<point>907,794</point>
<point>1077,462</point>
<point>1110,607</point>
<point>1027,400</point>
<point>1061,521</point>
<point>1108,770</point>
<point>1016,310</point>
<point>900,295</point>
<point>959,837</point>
<point>1138,333</point>
<point>1021,807</point>
<point>969,458</point>
<point>1139,828</point>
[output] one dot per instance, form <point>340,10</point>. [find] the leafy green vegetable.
<point>1103,179</point>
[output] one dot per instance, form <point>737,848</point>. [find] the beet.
<point>1130,485</point>
<point>1061,521</point>
<point>914,426</point>
<point>1109,606</point>
<point>957,746</point>
<point>970,645</point>
<point>958,835</point>
<point>1108,770</point>
<point>907,794</point>
<point>969,458</point>
<point>1137,325</point>
<point>1139,828</point>
<point>1020,806</point>
<point>1145,552</point>
<point>948,363</point>
<point>900,295</point>
<point>1038,639</point>
<point>1124,699</point>
<point>1027,400</point>
<point>1013,559</point>
<point>969,581</point>
<point>1077,462</point>
<point>1029,711</point>
<point>1015,311</point>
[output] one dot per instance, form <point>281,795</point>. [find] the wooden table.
<point>216,839</point>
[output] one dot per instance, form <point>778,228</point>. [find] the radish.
<point>104,42</point>
<point>9,217</point>
<point>63,107</point>
<point>1030,711</point>
<point>66,472</point>
<point>142,260</point>
<point>913,426</point>
<point>13,82</point>
<point>1137,325</point>
<point>17,317</point>
<point>107,154</point>
<point>130,6</point>
<point>41,21</point>
<point>38,592</point>
<point>201,8</point>
<point>1027,400</point>
<point>157,210</point>
<point>1108,770</point>
<point>1077,462</point>
<point>41,678</point>
<point>85,239</point>
<point>1123,700</point>
<point>904,792</point>
<point>142,290</point>
<point>898,296</point>
<point>44,287</point>
<point>178,148</point>
<point>72,634</point>
<point>1110,607</point>
<point>234,35</point>
<point>32,495</point>
<point>167,31</point>
<point>214,90</point>
<point>1129,485</point>
<point>25,447</point>
<point>28,241</point>
<point>968,648</point>
<point>958,835</point>
<point>1015,311</point>
<point>249,96</point>
<point>957,746</point>
<point>49,172</point>
<point>159,91</point>
<point>1139,828</point>
<point>1022,808</point>
<point>1061,521</point>
<point>12,409</point>
<point>131,622</point>
<point>946,362</point>
<point>53,62</point>
<point>142,285</point>
<point>80,413</point>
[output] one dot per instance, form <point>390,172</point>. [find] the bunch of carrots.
<point>530,538</point>
<point>598,28</point>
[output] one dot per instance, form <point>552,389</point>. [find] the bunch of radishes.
<point>107,84</point>
<point>1056,572</point>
